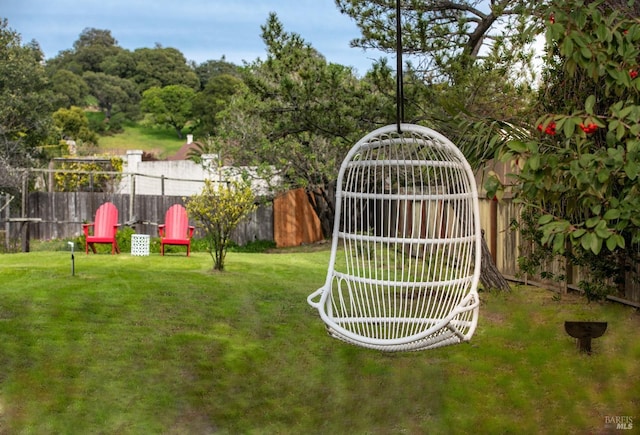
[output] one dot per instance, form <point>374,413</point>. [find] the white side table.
<point>140,244</point>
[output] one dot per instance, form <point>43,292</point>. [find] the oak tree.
<point>170,105</point>
<point>113,93</point>
<point>162,66</point>
<point>212,100</point>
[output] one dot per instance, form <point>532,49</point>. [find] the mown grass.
<point>160,141</point>
<point>139,345</point>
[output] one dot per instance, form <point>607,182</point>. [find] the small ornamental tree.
<point>578,172</point>
<point>219,208</point>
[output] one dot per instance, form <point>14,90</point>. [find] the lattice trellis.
<point>405,255</point>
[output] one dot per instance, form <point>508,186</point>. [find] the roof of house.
<point>183,152</point>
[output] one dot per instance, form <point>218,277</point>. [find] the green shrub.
<point>257,246</point>
<point>123,237</point>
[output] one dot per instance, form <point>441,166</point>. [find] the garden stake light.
<point>73,260</point>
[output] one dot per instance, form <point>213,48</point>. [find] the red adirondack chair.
<point>104,227</point>
<point>176,229</point>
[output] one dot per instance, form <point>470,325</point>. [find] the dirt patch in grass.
<point>323,245</point>
<point>494,318</point>
<point>192,421</point>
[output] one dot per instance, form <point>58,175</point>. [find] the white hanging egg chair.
<point>405,254</point>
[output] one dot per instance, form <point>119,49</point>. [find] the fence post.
<point>7,225</point>
<point>132,195</point>
<point>24,225</point>
<point>25,195</point>
<point>162,185</point>
<point>50,176</point>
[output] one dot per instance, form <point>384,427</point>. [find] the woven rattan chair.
<point>405,254</point>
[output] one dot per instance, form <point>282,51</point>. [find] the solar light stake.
<point>73,262</point>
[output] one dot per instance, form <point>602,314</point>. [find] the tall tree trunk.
<point>490,276</point>
<point>323,199</point>
<point>178,131</point>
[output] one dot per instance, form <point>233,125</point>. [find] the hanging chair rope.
<point>399,76</point>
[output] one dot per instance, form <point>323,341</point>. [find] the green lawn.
<point>161,141</point>
<point>140,345</point>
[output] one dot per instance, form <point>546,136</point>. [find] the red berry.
<point>589,129</point>
<point>551,129</point>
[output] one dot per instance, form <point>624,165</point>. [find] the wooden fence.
<point>288,220</point>
<point>59,215</point>
<point>507,245</point>
<point>295,221</point>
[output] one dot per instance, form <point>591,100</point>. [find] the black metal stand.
<point>584,332</point>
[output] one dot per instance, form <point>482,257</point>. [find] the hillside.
<point>162,142</point>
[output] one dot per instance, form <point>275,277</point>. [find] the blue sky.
<point>201,29</point>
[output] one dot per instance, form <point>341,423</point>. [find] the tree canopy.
<point>26,101</point>
<point>93,47</point>
<point>112,92</point>
<point>211,101</point>
<point>443,35</point>
<point>162,66</point>
<point>74,125</point>
<point>170,105</point>
<point>299,115</point>
<point>213,68</point>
